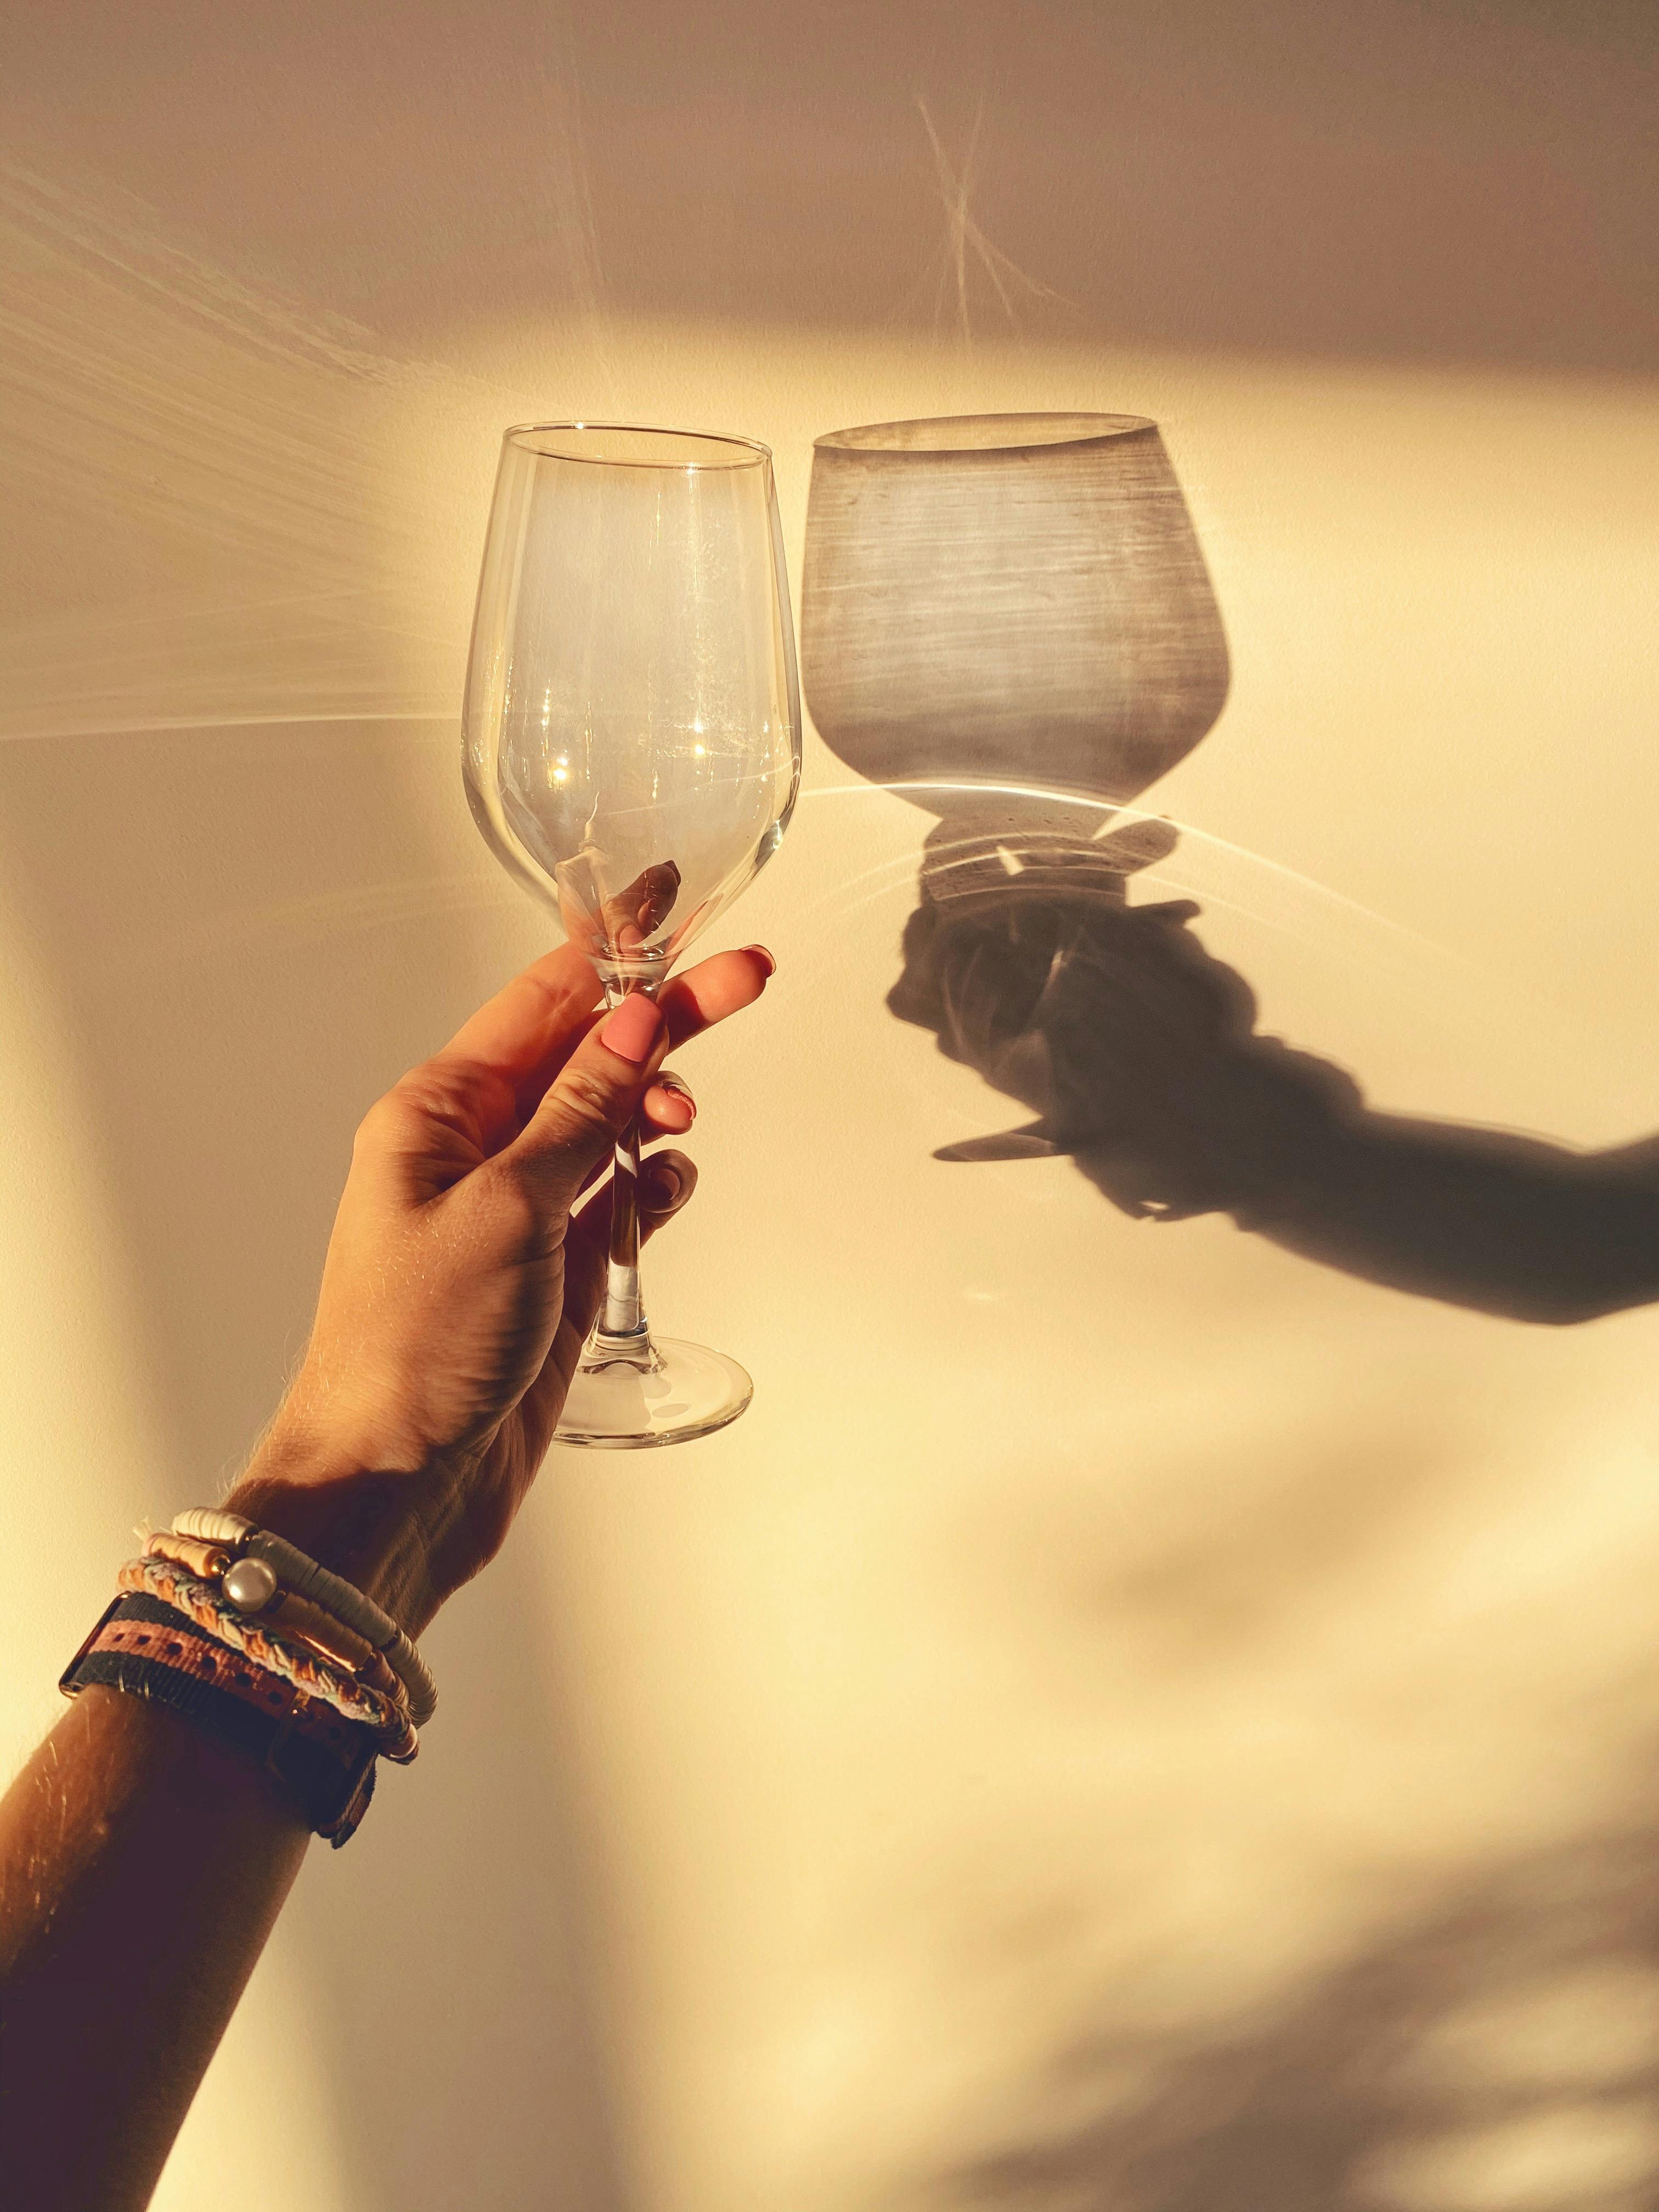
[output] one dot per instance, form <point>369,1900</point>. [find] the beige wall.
<point>1130,1716</point>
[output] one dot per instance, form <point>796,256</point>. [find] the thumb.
<point>591,1100</point>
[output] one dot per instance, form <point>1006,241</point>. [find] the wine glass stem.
<point>622,1328</point>
<point>623,1314</point>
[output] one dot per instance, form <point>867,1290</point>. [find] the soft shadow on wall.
<point>220,1055</point>
<point>1488,2036</point>
<point>234,840</point>
<point>1136,1052</point>
<point>1498,2049</point>
<point>1008,620</point>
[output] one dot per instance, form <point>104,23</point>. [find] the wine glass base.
<point>677,1392</point>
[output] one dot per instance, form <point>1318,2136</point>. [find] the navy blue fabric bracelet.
<point>148,1650</point>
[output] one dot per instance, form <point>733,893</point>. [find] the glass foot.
<point>627,1401</point>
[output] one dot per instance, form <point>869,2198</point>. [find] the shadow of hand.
<point>1137,1053</point>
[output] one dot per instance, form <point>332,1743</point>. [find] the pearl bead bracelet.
<point>258,1564</point>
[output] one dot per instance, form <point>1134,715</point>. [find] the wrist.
<point>370,1524</point>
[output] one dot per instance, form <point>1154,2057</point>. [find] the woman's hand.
<point>143,1860</point>
<point>462,1278</point>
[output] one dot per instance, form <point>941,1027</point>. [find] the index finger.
<point>715,988</point>
<point>525,1035</point>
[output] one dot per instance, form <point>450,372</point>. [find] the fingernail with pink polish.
<point>677,1089</point>
<point>760,953</point>
<point>632,1030</point>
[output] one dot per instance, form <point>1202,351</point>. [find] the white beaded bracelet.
<point>265,1560</point>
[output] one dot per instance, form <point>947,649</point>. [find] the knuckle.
<point>587,1105</point>
<point>440,1094</point>
<point>386,1122</point>
<point>434,1092</point>
<point>515,1206</point>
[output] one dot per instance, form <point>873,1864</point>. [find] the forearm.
<point>142,1868</point>
<point>143,1864</point>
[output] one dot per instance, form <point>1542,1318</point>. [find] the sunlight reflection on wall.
<point>1127,1707</point>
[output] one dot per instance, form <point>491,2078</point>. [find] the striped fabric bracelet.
<point>146,1648</point>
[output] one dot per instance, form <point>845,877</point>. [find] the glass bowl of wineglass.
<point>632,747</point>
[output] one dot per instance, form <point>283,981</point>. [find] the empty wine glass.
<point>632,753</point>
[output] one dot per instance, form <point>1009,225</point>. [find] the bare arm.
<point>142,1865</point>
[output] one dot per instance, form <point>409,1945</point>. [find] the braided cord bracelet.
<point>208,1526</point>
<point>277,1654</point>
<point>295,1616</point>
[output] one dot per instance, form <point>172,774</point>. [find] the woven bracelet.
<point>298,1617</point>
<point>212,1526</point>
<point>147,1649</point>
<point>276,1653</point>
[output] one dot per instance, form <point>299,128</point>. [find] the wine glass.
<point>632,753</point>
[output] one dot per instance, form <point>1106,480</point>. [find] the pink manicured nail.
<point>679,1094</point>
<point>760,953</point>
<point>632,1030</point>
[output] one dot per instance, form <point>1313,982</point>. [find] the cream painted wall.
<point>1129,1715</point>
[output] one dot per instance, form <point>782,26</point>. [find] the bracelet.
<point>211,1561</point>
<point>147,1649</point>
<point>276,1653</point>
<point>289,1564</point>
<point>295,1616</point>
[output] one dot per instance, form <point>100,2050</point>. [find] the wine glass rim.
<point>740,452</point>
<point>1029,430</point>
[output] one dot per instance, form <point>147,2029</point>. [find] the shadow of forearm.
<point>1500,1224</point>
